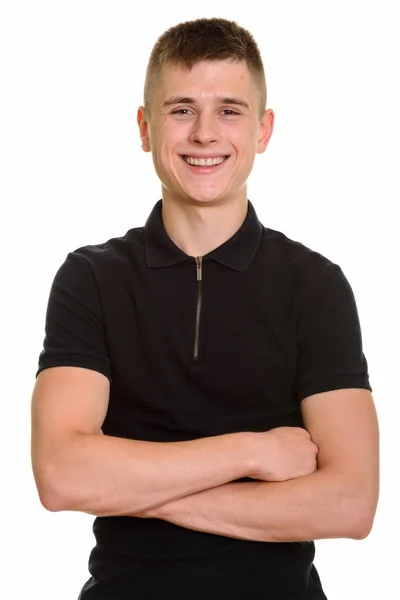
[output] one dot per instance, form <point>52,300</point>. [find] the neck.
<point>199,229</point>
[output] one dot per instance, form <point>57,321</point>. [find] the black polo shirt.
<point>196,347</point>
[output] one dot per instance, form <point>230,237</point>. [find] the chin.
<point>202,201</point>
<point>206,198</point>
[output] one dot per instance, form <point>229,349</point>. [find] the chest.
<point>210,345</point>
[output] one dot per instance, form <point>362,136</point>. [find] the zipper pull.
<point>199,269</point>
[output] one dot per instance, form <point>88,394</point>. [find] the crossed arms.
<point>312,483</point>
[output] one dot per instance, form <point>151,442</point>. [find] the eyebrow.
<point>220,100</point>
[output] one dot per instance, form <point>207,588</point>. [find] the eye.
<point>182,111</point>
<point>229,112</point>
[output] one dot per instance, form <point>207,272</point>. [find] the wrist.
<point>248,459</point>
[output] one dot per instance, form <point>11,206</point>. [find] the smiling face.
<point>204,130</point>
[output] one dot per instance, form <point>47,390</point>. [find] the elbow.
<point>360,530</point>
<point>51,503</point>
<point>360,517</point>
<point>349,513</point>
<point>51,492</point>
<point>56,475</point>
<point>361,526</point>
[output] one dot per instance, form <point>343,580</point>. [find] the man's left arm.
<point>337,501</point>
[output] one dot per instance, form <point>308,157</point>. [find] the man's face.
<point>205,130</point>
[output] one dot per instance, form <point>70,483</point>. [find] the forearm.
<point>314,507</point>
<point>108,476</point>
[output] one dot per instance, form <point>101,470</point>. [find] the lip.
<point>214,155</point>
<point>205,170</point>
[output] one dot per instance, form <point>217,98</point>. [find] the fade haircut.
<point>191,42</point>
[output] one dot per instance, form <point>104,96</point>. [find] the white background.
<point>73,173</point>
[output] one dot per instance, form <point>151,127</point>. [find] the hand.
<point>283,453</point>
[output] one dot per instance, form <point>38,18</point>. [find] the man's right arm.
<point>77,469</point>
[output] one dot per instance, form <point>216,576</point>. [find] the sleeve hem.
<point>328,384</point>
<point>75,363</point>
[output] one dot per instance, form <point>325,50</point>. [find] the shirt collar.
<point>236,253</point>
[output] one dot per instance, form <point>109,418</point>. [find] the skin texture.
<point>76,467</point>
<point>337,500</point>
<point>211,110</point>
<point>205,125</point>
<point>202,210</point>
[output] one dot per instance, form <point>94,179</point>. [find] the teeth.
<point>204,162</point>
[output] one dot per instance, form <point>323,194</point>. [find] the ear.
<point>143,128</point>
<point>266,129</point>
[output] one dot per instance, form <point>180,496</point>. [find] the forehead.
<point>207,79</point>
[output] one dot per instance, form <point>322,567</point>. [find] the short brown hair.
<point>192,42</point>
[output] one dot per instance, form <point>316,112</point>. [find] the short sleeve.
<point>330,353</point>
<point>74,331</point>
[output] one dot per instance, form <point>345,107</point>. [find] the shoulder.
<point>305,267</point>
<point>109,254</point>
<point>292,252</point>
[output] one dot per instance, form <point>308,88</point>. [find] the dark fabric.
<point>277,323</point>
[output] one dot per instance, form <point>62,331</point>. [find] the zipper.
<point>199,271</point>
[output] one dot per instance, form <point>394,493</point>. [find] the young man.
<point>222,361</point>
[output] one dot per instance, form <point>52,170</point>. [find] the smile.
<point>204,162</point>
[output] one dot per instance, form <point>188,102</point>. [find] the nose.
<point>205,129</point>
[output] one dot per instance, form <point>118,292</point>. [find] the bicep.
<point>344,425</point>
<point>65,401</point>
